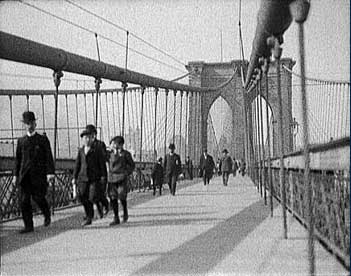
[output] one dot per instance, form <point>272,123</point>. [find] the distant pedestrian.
<point>218,166</point>
<point>89,172</point>
<point>157,176</point>
<point>226,166</point>
<point>121,166</point>
<point>172,167</point>
<point>207,166</point>
<point>189,167</point>
<point>34,168</point>
<point>102,200</point>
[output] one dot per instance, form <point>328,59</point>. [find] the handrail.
<point>22,50</point>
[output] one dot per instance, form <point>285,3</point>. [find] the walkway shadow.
<point>201,254</point>
<point>11,240</point>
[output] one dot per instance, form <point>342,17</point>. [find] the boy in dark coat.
<point>121,166</point>
<point>157,176</point>
<point>34,167</point>
<point>226,166</point>
<point>89,172</point>
<point>172,166</point>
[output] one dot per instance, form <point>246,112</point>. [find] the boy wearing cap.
<point>89,171</point>
<point>172,166</point>
<point>121,166</point>
<point>34,167</point>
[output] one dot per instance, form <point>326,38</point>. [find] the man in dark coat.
<point>102,201</point>
<point>89,172</point>
<point>189,167</point>
<point>226,166</point>
<point>34,168</point>
<point>172,166</point>
<point>121,166</point>
<point>207,166</point>
<point>157,176</point>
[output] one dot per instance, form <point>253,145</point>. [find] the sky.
<point>187,30</point>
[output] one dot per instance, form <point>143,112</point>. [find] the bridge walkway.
<point>213,230</point>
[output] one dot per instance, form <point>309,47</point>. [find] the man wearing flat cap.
<point>172,166</point>
<point>89,171</point>
<point>34,167</point>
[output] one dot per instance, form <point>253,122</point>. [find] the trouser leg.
<point>114,204</point>
<point>26,209</point>
<point>174,184</point>
<point>43,205</point>
<point>160,187</point>
<point>125,209</point>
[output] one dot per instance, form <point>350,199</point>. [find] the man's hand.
<point>50,177</point>
<point>74,181</point>
<point>14,180</point>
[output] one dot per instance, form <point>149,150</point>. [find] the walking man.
<point>102,200</point>
<point>157,176</point>
<point>89,172</point>
<point>207,166</point>
<point>226,166</point>
<point>34,168</point>
<point>121,166</point>
<point>172,166</point>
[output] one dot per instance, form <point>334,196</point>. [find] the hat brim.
<point>85,133</point>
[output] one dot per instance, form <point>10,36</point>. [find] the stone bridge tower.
<point>227,78</point>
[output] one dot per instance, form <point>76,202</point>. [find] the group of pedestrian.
<point>96,172</point>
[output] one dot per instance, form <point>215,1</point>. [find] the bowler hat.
<point>91,128</point>
<point>171,146</point>
<point>28,117</point>
<point>85,132</point>
<point>225,151</point>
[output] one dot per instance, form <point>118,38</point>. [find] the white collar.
<point>31,134</point>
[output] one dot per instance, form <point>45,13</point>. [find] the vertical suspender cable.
<point>155,125</point>
<point>97,92</point>
<point>174,114</point>
<point>57,80</point>
<point>186,125</point>
<point>113,113</point>
<point>118,114</point>
<point>12,135</point>
<point>27,99</point>
<point>180,123</point>
<point>259,138</point>
<point>270,183</point>
<point>93,104</point>
<point>108,117</point>
<point>85,109</point>
<point>43,111</point>
<point>263,178</point>
<point>77,121</point>
<point>141,131</point>
<point>165,142</point>
<point>67,122</point>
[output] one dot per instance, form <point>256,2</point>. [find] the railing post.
<point>186,125</point>
<point>12,134</point>
<point>277,51</point>
<point>299,10</point>
<point>57,80</point>
<point>263,176</point>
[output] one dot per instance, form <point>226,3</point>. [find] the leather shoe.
<point>87,222</point>
<point>47,221</point>
<point>115,222</point>
<point>26,230</point>
<point>125,218</point>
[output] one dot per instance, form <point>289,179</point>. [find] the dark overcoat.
<point>207,165</point>
<point>172,165</point>
<point>34,159</point>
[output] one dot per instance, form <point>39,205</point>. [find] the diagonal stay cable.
<point>102,36</point>
<point>124,29</point>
